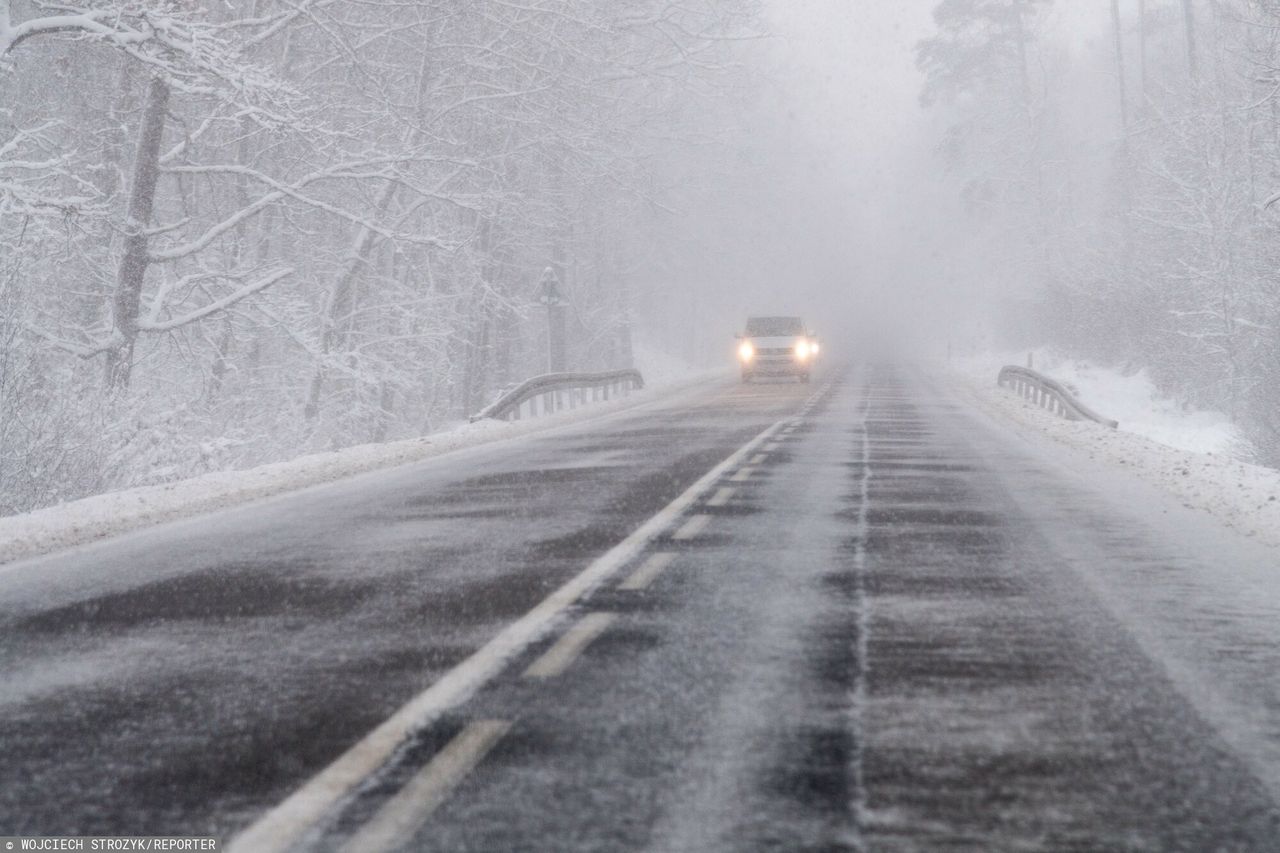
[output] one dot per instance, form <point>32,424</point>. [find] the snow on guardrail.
<point>1242,496</point>
<point>559,391</point>
<point>1049,394</point>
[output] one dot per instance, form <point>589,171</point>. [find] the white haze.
<point>833,204</point>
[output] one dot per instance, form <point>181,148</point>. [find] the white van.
<point>776,346</point>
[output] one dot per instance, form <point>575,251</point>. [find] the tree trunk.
<point>341,297</point>
<point>476,369</point>
<point>133,264</point>
<point>1142,53</point>
<point>1189,21</point>
<point>341,302</point>
<point>1124,100</point>
<point>221,360</point>
<point>626,350</point>
<point>386,411</point>
<point>1024,73</point>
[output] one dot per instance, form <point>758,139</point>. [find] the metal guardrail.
<point>559,391</point>
<point>1049,394</point>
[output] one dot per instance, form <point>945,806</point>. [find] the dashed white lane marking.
<point>771,446</point>
<point>649,570</point>
<point>742,476</point>
<point>560,656</point>
<point>859,703</point>
<point>405,813</point>
<point>282,827</point>
<point>758,458</point>
<point>691,528</point>
<point>722,496</point>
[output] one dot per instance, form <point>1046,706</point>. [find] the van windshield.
<point>774,327</point>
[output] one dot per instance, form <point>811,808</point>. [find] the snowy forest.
<point>237,232</point>
<point>1119,163</point>
<point>240,232</point>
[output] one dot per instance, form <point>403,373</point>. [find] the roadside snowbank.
<point>1242,496</point>
<point>1132,400</point>
<point>89,519</point>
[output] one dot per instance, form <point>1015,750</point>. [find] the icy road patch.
<point>90,519</point>
<point>1244,497</point>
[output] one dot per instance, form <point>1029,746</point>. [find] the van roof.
<point>774,326</point>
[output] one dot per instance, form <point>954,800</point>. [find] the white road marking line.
<point>771,446</point>
<point>744,474</point>
<point>758,458</point>
<point>648,571</point>
<point>282,827</point>
<point>721,497</point>
<point>862,529</point>
<point>561,656</point>
<point>406,812</point>
<point>691,528</point>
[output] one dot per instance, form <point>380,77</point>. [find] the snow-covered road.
<point>894,621</point>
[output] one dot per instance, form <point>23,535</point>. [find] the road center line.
<point>758,458</point>
<point>405,813</point>
<point>859,698</point>
<point>771,446</point>
<point>744,474</point>
<point>283,826</point>
<point>691,528</point>
<point>648,571</point>
<point>561,656</point>
<point>722,496</point>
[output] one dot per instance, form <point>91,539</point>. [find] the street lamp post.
<point>556,320</point>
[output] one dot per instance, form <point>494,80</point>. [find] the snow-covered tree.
<point>234,232</point>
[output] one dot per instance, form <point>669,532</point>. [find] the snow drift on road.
<point>1188,454</point>
<point>89,519</point>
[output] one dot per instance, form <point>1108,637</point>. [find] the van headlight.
<point>802,350</point>
<point>746,351</point>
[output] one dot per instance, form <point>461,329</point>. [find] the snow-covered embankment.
<point>90,519</point>
<point>1190,455</point>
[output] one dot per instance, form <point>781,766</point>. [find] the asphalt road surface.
<point>842,616</point>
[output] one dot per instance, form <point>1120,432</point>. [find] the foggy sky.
<point>851,215</point>
<point>849,190</point>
